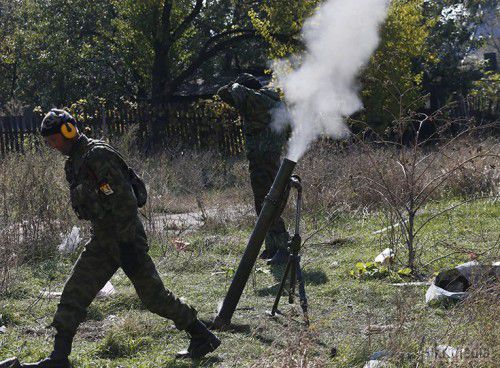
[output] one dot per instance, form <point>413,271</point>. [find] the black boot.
<point>202,342</point>
<point>266,254</point>
<point>49,363</point>
<point>10,363</point>
<point>59,357</point>
<point>281,257</point>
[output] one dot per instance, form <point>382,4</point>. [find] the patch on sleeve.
<point>105,188</point>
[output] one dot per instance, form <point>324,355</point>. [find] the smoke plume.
<point>322,88</point>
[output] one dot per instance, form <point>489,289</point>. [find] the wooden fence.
<point>19,133</point>
<point>172,127</point>
<point>175,127</point>
<point>483,110</point>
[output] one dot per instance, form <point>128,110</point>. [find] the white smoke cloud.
<point>340,39</point>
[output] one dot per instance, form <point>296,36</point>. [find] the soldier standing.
<point>104,191</point>
<point>264,146</point>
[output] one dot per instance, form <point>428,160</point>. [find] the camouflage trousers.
<point>96,265</point>
<point>263,169</point>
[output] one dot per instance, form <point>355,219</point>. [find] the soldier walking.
<point>105,191</point>
<point>255,105</point>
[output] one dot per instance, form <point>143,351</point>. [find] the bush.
<point>337,176</point>
<point>34,205</point>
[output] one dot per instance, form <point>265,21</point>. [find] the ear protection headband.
<point>68,129</point>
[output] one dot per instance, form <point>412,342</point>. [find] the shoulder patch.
<point>105,188</point>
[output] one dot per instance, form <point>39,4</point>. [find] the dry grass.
<point>336,175</point>
<point>471,333</point>
<point>293,348</point>
<point>34,203</point>
<point>35,210</point>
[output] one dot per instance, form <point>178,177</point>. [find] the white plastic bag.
<point>437,295</point>
<point>70,241</point>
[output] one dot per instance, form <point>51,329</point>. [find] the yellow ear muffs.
<point>68,130</point>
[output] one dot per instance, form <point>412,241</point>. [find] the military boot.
<point>49,363</point>
<point>280,258</point>
<point>202,342</point>
<point>59,357</point>
<point>271,245</point>
<point>266,254</point>
<point>10,363</point>
<point>277,240</point>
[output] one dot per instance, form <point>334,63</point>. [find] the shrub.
<point>34,204</point>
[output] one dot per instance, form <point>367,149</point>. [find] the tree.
<point>276,17</point>
<point>394,77</point>
<point>9,56</point>
<point>452,38</point>
<point>60,51</point>
<point>179,37</point>
<point>394,70</point>
<point>411,175</point>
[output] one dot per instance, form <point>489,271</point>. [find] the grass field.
<point>119,332</point>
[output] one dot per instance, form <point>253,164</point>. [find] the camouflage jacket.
<point>99,186</point>
<point>256,110</point>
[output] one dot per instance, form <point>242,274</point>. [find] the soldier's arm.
<point>114,191</point>
<point>225,94</point>
<point>239,97</point>
<point>251,100</point>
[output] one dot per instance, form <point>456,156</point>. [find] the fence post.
<point>2,136</point>
<point>180,125</point>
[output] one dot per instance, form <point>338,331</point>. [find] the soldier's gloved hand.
<point>225,94</point>
<point>129,258</point>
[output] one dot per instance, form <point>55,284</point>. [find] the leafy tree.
<point>451,39</point>
<point>275,18</point>
<point>394,78</point>
<point>423,45</point>
<point>9,56</point>
<point>393,70</point>
<point>174,39</point>
<point>60,51</point>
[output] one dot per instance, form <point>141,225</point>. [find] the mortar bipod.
<point>293,265</point>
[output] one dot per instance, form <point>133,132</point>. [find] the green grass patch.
<point>119,332</point>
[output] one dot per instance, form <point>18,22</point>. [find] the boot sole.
<point>10,363</point>
<point>205,349</point>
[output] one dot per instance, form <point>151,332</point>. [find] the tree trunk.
<point>160,75</point>
<point>159,98</point>
<point>230,54</point>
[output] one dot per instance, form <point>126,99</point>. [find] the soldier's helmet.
<point>54,120</point>
<point>249,81</point>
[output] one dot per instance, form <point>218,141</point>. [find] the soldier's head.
<point>249,81</point>
<point>59,130</point>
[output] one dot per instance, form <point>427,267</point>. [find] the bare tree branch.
<point>166,20</point>
<point>206,54</point>
<point>186,22</point>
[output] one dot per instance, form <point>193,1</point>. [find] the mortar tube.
<point>266,217</point>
